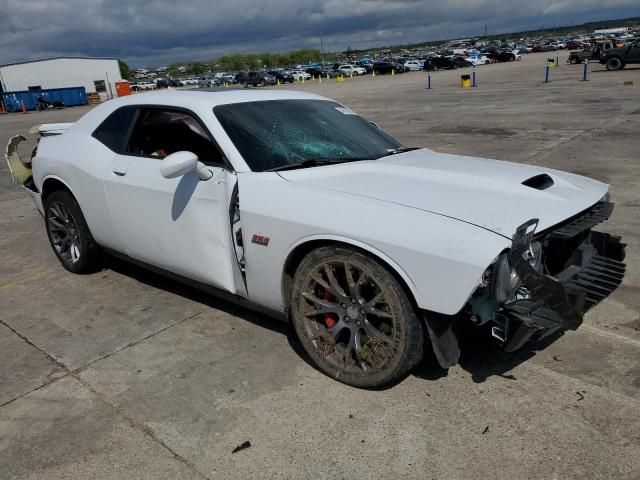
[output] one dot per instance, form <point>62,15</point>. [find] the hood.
<point>487,193</point>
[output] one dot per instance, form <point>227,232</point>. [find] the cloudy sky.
<point>155,32</point>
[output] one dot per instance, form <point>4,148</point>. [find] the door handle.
<point>120,170</point>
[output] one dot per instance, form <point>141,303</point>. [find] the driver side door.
<point>633,53</point>
<point>181,224</point>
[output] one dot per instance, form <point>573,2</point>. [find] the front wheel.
<point>573,60</point>
<point>614,63</point>
<point>353,318</point>
<point>69,234</point>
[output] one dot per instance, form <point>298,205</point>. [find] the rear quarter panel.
<point>79,161</point>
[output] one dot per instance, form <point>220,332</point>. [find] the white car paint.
<point>478,59</point>
<point>300,75</point>
<point>413,65</point>
<point>437,220</point>
<point>348,69</point>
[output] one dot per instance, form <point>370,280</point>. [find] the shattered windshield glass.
<point>275,134</point>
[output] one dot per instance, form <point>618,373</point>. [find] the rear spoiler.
<point>50,129</point>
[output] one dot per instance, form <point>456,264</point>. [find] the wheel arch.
<point>52,184</point>
<point>298,251</point>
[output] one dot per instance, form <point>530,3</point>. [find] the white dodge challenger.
<point>295,205</point>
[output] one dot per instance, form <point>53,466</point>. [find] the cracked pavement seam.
<point>138,426</point>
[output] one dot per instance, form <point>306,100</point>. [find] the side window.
<point>114,131</point>
<point>161,132</point>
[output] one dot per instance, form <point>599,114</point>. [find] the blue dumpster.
<point>71,97</point>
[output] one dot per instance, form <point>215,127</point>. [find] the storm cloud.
<point>153,32</point>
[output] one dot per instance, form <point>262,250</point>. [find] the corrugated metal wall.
<point>61,73</point>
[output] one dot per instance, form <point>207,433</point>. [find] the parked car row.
<point>301,73</point>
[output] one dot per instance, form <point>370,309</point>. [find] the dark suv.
<point>255,78</point>
<point>282,75</point>
<point>617,58</point>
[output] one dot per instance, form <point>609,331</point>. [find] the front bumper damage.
<point>580,267</point>
<point>594,269</point>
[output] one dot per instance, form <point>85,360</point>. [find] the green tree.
<point>125,71</point>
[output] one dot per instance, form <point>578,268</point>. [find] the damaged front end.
<point>548,280</point>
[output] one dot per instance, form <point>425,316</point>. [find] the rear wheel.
<point>69,234</point>
<point>614,63</point>
<point>353,318</point>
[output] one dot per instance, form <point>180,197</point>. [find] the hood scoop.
<point>539,182</point>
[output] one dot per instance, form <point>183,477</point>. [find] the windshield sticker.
<point>346,111</point>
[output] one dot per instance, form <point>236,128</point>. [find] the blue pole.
<point>585,75</point>
<point>546,76</point>
<point>475,84</point>
<point>428,81</point>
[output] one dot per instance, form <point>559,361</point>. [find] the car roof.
<point>213,97</point>
<point>195,100</point>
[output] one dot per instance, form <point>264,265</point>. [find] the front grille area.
<point>596,268</point>
<point>592,271</point>
<point>584,221</point>
<point>598,280</point>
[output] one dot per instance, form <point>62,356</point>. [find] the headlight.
<point>505,279</point>
<point>607,197</point>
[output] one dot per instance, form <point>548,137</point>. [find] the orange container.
<point>123,89</point>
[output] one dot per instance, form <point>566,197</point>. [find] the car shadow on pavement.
<point>170,285</point>
<point>483,358</point>
<point>480,356</point>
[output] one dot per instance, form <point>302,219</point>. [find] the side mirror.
<point>181,163</point>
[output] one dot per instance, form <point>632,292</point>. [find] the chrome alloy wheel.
<point>349,317</point>
<point>65,235</point>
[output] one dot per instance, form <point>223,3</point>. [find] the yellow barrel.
<point>465,81</point>
<point>551,62</point>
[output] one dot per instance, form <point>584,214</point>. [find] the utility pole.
<point>555,39</point>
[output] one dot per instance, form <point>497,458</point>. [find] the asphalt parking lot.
<point>122,374</point>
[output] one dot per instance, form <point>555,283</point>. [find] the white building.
<point>610,31</point>
<point>94,74</point>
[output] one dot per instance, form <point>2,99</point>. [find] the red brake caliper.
<point>329,321</point>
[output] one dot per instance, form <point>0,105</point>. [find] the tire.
<point>573,60</point>
<point>62,214</point>
<point>367,334</point>
<point>614,63</point>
